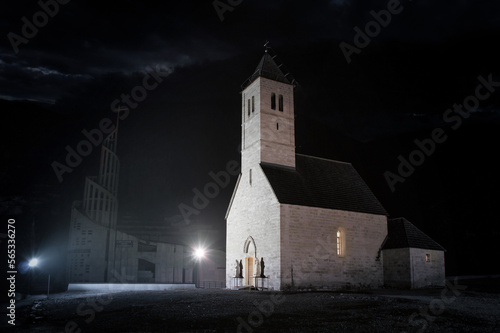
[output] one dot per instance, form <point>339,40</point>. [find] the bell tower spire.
<point>268,130</point>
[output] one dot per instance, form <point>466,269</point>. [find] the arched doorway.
<point>250,251</point>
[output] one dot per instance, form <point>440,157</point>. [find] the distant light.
<point>33,262</point>
<point>199,253</point>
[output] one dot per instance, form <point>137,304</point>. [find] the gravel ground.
<point>215,310</point>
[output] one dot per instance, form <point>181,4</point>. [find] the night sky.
<point>62,77</point>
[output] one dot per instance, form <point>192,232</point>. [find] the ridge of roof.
<point>323,158</point>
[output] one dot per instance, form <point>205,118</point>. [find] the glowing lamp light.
<point>33,262</point>
<point>199,253</point>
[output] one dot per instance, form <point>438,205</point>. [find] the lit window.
<point>273,101</point>
<point>428,257</point>
<point>340,242</point>
<point>281,102</point>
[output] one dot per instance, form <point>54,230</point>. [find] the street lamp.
<point>32,264</point>
<point>199,254</point>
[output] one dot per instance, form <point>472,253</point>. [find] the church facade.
<point>314,222</point>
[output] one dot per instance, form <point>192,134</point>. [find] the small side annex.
<point>411,258</point>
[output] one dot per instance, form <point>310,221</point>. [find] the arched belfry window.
<point>273,101</point>
<point>280,102</point>
<point>340,242</point>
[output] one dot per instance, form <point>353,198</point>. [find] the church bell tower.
<point>267,113</point>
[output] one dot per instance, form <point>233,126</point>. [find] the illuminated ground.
<point>203,310</point>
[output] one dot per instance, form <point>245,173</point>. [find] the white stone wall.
<point>407,268</point>
<point>254,212</point>
<point>277,127</point>
<point>86,249</point>
<point>397,269</point>
<point>427,274</point>
<point>309,246</point>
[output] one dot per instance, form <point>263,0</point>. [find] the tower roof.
<point>401,233</point>
<point>267,68</point>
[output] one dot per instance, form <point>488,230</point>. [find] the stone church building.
<point>313,221</point>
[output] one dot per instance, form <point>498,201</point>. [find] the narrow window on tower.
<point>277,126</point>
<point>273,101</point>
<point>253,104</point>
<point>248,107</point>
<point>281,102</point>
<point>250,177</point>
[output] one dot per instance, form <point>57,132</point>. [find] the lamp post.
<point>199,254</point>
<point>31,264</point>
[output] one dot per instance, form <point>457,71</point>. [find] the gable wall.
<point>310,244</point>
<point>254,212</point>
<point>427,274</point>
<point>397,270</point>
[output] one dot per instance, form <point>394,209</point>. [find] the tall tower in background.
<point>100,201</point>
<point>93,221</point>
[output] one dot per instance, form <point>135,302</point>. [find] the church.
<point>298,221</point>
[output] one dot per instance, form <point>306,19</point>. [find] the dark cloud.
<point>86,39</point>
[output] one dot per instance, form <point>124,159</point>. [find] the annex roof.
<point>401,233</point>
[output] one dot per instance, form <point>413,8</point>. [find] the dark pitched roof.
<point>266,68</point>
<point>318,182</point>
<point>401,233</point>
